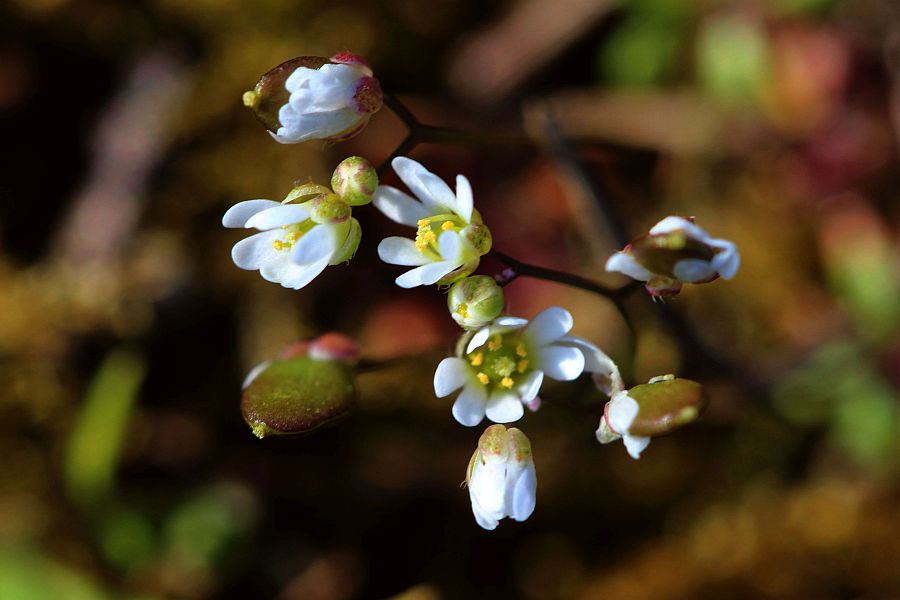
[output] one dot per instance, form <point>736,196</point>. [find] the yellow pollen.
<point>447,226</point>
<point>507,382</point>
<point>477,359</point>
<point>422,222</point>
<point>522,366</point>
<point>278,245</point>
<point>483,378</point>
<point>520,350</point>
<point>495,344</point>
<point>429,236</point>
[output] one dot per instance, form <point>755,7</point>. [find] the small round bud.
<point>475,301</point>
<point>329,209</point>
<point>355,180</point>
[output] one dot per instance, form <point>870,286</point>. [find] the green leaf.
<point>298,396</point>
<point>96,439</point>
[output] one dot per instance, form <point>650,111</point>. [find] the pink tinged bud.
<point>270,94</point>
<point>348,58</point>
<point>368,96</point>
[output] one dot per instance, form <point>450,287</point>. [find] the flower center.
<point>292,234</point>
<point>501,361</point>
<point>430,230</point>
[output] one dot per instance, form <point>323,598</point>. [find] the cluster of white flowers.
<point>500,360</point>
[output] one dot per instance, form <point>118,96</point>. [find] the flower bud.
<point>479,236</point>
<point>350,245</point>
<point>355,180</point>
<point>305,192</point>
<point>501,477</point>
<point>315,98</point>
<point>645,411</point>
<point>475,301</point>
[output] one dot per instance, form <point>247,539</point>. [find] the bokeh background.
<point>125,330</point>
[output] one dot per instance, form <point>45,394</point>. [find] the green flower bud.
<point>355,180</point>
<point>479,236</point>
<point>329,209</point>
<point>475,301</point>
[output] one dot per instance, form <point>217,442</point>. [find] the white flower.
<point>297,241</point>
<point>332,102</point>
<point>618,416</point>
<point>450,236</point>
<point>501,366</point>
<point>675,251</point>
<point>501,477</point>
<point>603,370</point>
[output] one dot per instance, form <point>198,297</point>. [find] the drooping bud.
<point>355,180</point>
<point>475,301</point>
<point>501,477</point>
<point>675,251</point>
<point>316,98</point>
<point>648,410</point>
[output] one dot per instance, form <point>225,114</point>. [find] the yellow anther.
<point>495,344</point>
<point>483,378</point>
<point>429,236</point>
<point>477,359</point>
<point>507,382</point>
<point>293,236</point>
<point>463,310</point>
<point>522,366</point>
<point>278,245</point>
<point>447,226</point>
<point>422,222</point>
<point>520,350</point>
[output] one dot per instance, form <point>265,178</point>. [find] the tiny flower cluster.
<point>500,361</point>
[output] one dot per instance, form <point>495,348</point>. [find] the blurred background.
<point>125,329</point>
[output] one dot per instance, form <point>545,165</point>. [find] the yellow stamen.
<point>463,310</point>
<point>476,359</point>
<point>422,222</point>
<point>520,350</point>
<point>278,245</point>
<point>293,236</point>
<point>429,236</point>
<point>447,226</point>
<point>483,378</point>
<point>522,366</point>
<point>495,344</point>
<point>507,382</point>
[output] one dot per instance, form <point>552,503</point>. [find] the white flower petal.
<point>635,445</point>
<point>298,127</point>
<point>549,326</point>
<point>560,362</point>
<point>450,246</point>
<point>464,199</point>
<point>282,214</point>
<point>621,412</point>
<point>478,339</point>
<point>289,274</point>
<point>504,407</point>
<point>450,375</point>
<point>252,252</point>
<point>728,261</point>
<point>484,520</point>
<point>596,362</point>
<point>690,270</point>
<point>426,274</point>
<point>468,409</point>
<point>670,224</point>
<point>398,206</point>
<point>421,182</point>
<point>627,265</point>
<point>488,485</point>
<point>511,322</point>
<point>237,215</point>
<point>530,386</point>
<point>317,244</point>
<point>401,251</point>
<point>523,496</point>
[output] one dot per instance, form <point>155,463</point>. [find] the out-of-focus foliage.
<point>125,330</point>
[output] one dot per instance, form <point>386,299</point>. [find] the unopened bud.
<point>475,301</point>
<point>305,192</point>
<point>479,236</point>
<point>355,180</point>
